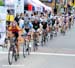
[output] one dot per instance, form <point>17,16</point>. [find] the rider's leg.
<point>17,42</point>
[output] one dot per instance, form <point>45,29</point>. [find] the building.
<point>51,3</point>
<point>59,4</point>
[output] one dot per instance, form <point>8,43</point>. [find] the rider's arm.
<point>19,29</point>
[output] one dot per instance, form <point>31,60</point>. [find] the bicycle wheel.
<point>15,54</point>
<point>35,46</point>
<point>55,34</point>
<point>63,32</point>
<point>51,36</point>
<point>69,26</point>
<point>10,55</point>
<point>29,49</point>
<point>42,41</point>
<point>24,50</point>
<point>47,37</point>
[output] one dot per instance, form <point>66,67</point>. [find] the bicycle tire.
<point>35,46</point>
<point>69,26</point>
<point>24,50</point>
<point>29,49</point>
<point>15,55</point>
<point>42,41</point>
<point>10,60</point>
<point>44,38</point>
<point>51,36</point>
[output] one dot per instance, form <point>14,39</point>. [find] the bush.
<point>1,3</point>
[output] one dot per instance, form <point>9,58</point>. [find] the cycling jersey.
<point>14,28</point>
<point>53,22</point>
<point>30,25</point>
<point>36,25</point>
<point>27,30</point>
<point>44,25</point>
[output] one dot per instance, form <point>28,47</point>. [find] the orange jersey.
<point>14,28</point>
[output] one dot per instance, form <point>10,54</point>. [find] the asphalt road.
<point>57,53</point>
<point>40,61</point>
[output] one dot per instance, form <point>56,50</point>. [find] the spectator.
<point>17,18</point>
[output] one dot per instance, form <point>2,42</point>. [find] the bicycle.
<point>44,37</point>
<point>69,23</point>
<point>63,30</point>
<point>51,33</point>
<point>35,45</point>
<point>55,30</point>
<point>12,53</point>
<point>26,48</point>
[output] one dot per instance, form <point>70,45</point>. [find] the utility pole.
<point>55,8</point>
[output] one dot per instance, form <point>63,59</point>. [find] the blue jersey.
<point>30,25</point>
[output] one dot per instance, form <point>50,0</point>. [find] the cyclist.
<point>44,25</point>
<point>64,22</point>
<point>36,25</point>
<point>57,24</point>
<point>27,31</point>
<point>28,26</point>
<point>36,28</point>
<point>70,20</point>
<point>45,29</point>
<point>14,28</point>
<point>53,22</point>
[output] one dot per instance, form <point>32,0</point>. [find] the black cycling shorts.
<point>16,34</point>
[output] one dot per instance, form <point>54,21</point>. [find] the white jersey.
<point>21,23</point>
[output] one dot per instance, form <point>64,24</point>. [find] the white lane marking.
<point>53,54</point>
<point>46,54</point>
<point>12,65</point>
